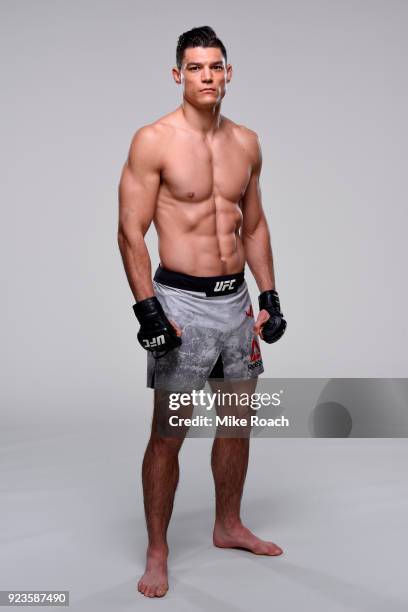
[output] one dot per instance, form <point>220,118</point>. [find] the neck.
<point>203,120</point>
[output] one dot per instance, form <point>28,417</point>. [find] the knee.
<point>162,444</point>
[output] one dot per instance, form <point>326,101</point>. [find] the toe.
<point>161,591</point>
<point>263,550</point>
<point>275,550</point>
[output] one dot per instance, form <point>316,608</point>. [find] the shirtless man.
<point>195,174</point>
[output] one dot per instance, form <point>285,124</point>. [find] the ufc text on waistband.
<point>212,286</point>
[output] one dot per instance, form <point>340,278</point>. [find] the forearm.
<point>258,254</point>
<point>137,264</point>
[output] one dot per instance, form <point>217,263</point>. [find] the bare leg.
<point>160,475</point>
<point>229,462</point>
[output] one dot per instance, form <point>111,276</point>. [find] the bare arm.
<point>138,189</point>
<point>255,231</point>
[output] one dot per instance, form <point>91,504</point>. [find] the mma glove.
<point>275,326</point>
<point>156,333</point>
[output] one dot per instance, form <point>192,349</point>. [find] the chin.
<point>210,102</point>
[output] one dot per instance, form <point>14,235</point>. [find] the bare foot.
<point>154,583</point>
<point>241,537</point>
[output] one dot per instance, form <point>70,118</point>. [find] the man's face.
<point>203,68</point>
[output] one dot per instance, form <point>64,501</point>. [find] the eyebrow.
<point>200,64</point>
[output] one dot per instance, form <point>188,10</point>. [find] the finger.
<point>258,331</point>
<point>177,329</point>
<point>263,316</point>
<point>257,327</point>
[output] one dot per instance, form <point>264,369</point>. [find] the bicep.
<point>139,184</point>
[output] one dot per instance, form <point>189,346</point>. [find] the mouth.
<point>207,90</point>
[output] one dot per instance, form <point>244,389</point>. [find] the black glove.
<point>275,326</point>
<point>156,332</point>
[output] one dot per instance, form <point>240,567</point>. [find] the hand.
<point>156,334</point>
<point>270,321</point>
<point>262,318</point>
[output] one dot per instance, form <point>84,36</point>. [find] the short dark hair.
<point>198,37</point>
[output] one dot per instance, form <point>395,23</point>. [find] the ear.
<point>229,72</point>
<point>177,76</point>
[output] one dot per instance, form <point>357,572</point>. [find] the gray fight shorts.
<point>216,318</point>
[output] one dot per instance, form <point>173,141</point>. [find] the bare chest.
<point>195,170</point>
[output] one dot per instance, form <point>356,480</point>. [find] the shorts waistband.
<point>210,285</point>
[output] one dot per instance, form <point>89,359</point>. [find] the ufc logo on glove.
<point>153,342</point>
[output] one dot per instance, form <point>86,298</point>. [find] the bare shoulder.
<point>148,144</point>
<point>149,135</point>
<point>248,139</point>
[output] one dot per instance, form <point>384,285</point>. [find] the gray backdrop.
<point>324,85</point>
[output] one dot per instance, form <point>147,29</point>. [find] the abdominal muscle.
<point>200,238</point>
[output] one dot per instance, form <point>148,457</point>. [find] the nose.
<point>206,75</point>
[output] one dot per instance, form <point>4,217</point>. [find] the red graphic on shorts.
<point>255,350</point>
<point>250,312</point>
